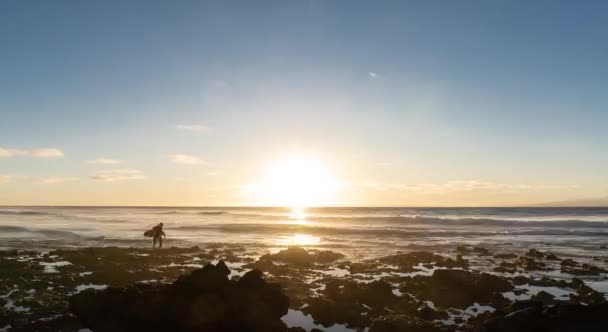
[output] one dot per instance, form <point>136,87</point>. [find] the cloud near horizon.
<point>193,128</point>
<point>34,153</point>
<point>59,179</point>
<point>104,161</point>
<point>113,175</point>
<point>186,159</point>
<point>5,178</point>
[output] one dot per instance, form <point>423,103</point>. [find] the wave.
<point>213,213</point>
<point>24,213</point>
<point>395,215</point>
<point>6,229</point>
<point>400,232</point>
<point>189,212</point>
<point>47,233</point>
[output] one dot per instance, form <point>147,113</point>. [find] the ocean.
<point>359,231</point>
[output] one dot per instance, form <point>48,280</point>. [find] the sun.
<point>296,182</point>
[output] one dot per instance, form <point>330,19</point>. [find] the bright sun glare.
<point>295,182</point>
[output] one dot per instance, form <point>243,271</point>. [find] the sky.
<point>397,103</point>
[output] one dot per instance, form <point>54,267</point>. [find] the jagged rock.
<point>568,262</point>
<point>551,257</point>
<point>529,264</point>
<point>422,257</point>
<point>458,288</point>
<point>532,317</point>
<point>205,300</point>
<point>505,267</point>
<point>505,256</point>
<point>402,323</point>
<point>582,270</point>
<point>543,297</point>
<point>466,250</point>
<point>301,256</point>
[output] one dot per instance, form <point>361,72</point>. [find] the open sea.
<point>360,232</point>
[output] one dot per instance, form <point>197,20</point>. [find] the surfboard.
<point>149,233</point>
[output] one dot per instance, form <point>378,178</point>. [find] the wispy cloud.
<point>113,175</point>
<point>193,128</point>
<point>104,161</point>
<point>5,179</point>
<point>186,159</point>
<point>35,153</point>
<point>373,75</point>
<point>59,179</point>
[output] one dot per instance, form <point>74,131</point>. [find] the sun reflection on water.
<point>298,216</point>
<point>300,239</point>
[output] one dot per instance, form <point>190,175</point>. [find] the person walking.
<point>157,235</point>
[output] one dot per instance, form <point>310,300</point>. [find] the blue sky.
<point>407,102</point>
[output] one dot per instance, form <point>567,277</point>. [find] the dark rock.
<point>535,253</point>
<point>427,313</point>
<point>583,270</point>
<point>568,262</point>
<point>301,256</point>
<point>551,257</point>
<point>345,301</point>
<point>466,250</point>
<point>561,317</point>
<point>521,280</point>
<point>411,259</point>
<point>402,323</point>
<point>543,297</point>
<point>586,294</point>
<point>205,300</point>
<point>505,256</point>
<point>519,305</point>
<point>458,288</point>
<point>529,264</point>
<point>328,312</point>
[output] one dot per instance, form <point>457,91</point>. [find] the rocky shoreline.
<point>237,288</point>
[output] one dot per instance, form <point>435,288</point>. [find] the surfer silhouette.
<point>157,235</point>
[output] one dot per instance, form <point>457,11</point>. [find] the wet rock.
<point>402,323</point>
<point>586,294</point>
<point>427,313</point>
<point>521,280</point>
<point>568,262</point>
<point>535,253</point>
<point>411,259</point>
<point>583,270</point>
<point>205,300</point>
<point>519,305</point>
<point>466,250</point>
<point>458,288</point>
<point>301,256</point>
<point>548,282</point>
<point>328,312</point>
<point>543,297</point>
<point>505,256</point>
<point>561,317</point>
<point>551,257</point>
<point>505,267</point>
<point>345,302</point>
<point>529,264</point>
